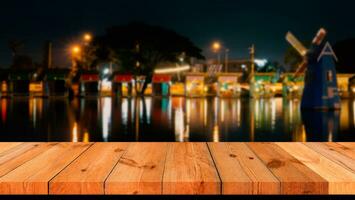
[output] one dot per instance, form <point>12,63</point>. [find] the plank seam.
<point>114,166</point>
<point>261,160</point>
<point>162,177</point>
<point>215,166</point>
<point>301,171</point>
<point>68,165</point>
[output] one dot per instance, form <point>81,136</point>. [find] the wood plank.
<point>341,181</point>
<point>33,176</point>
<point>4,146</point>
<point>350,145</point>
<point>349,148</point>
<point>87,174</point>
<point>189,169</point>
<point>18,155</point>
<point>294,176</point>
<point>139,171</point>
<point>335,152</point>
<point>241,171</point>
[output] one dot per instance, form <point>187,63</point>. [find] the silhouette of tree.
<point>139,48</point>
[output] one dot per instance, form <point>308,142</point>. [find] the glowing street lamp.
<point>75,50</point>
<point>216,47</point>
<point>87,37</point>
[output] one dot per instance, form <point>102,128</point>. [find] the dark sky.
<point>236,23</point>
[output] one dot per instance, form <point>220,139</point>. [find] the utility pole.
<point>48,55</point>
<point>252,58</point>
<point>251,76</point>
<point>226,60</point>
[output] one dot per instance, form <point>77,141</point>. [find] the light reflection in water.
<point>148,103</point>
<point>176,118</point>
<point>86,137</point>
<point>238,112</point>
<point>215,133</point>
<point>179,125</point>
<point>124,111</point>
<point>106,117</point>
<point>35,109</point>
<point>3,110</point>
<point>75,133</point>
<point>273,114</point>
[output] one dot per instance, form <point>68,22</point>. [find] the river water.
<point>171,119</point>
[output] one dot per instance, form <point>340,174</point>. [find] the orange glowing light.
<point>87,37</point>
<point>76,49</point>
<point>216,46</point>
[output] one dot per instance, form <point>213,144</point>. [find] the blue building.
<point>320,87</point>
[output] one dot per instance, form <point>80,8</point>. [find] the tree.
<point>269,67</point>
<point>140,48</point>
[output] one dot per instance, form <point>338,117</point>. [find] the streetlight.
<point>87,37</point>
<point>226,60</point>
<point>216,46</point>
<point>75,52</point>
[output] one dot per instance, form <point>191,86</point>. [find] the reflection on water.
<point>171,119</point>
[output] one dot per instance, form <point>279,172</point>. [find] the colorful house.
<point>123,85</point>
<point>161,84</point>
<point>228,85</point>
<point>264,85</point>
<point>195,85</point>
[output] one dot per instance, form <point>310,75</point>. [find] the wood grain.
<point>4,146</point>
<point>33,176</point>
<point>177,168</point>
<point>189,169</point>
<point>87,174</point>
<point>139,171</point>
<point>335,152</point>
<point>241,171</point>
<point>341,181</point>
<point>20,154</point>
<point>294,176</point>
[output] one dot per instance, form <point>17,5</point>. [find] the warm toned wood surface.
<point>87,174</point>
<point>340,180</point>
<point>189,169</point>
<point>241,171</point>
<point>294,176</point>
<point>33,176</point>
<point>177,168</point>
<point>139,171</point>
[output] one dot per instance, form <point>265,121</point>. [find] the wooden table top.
<point>177,168</point>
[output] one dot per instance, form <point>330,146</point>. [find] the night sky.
<point>236,23</point>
